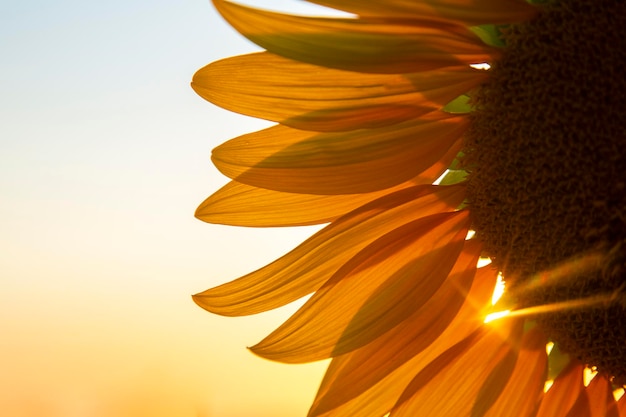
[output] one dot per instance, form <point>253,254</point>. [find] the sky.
<point>104,156</point>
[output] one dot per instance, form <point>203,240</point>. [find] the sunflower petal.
<point>524,388</point>
<point>601,399</point>
<point>595,401</point>
<point>621,406</point>
<point>376,401</point>
<point>480,366</point>
<point>309,97</point>
<point>373,292</point>
<point>352,375</point>
<point>308,266</point>
<point>367,44</point>
<point>284,159</point>
<point>565,390</point>
<point>469,12</point>
<point>239,204</point>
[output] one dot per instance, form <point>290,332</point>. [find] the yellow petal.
<point>239,204</point>
<point>469,12</point>
<point>336,399</point>
<point>371,364</point>
<point>284,159</point>
<point>562,395</point>
<point>524,388</point>
<point>366,44</point>
<point>304,269</point>
<point>372,293</point>
<point>465,379</point>
<point>309,97</point>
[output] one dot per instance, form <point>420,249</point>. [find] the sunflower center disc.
<point>547,183</point>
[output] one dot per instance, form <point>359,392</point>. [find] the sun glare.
<point>497,315</point>
<point>498,291</point>
<point>482,66</point>
<point>547,385</point>
<point>588,375</point>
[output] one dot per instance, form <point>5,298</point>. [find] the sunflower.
<point>453,147</point>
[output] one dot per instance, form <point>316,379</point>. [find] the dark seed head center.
<point>547,160</point>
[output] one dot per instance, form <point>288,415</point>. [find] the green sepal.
<point>453,176</point>
<point>456,164</point>
<point>528,324</point>
<point>557,360</point>
<point>459,105</point>
<point>489,34</point>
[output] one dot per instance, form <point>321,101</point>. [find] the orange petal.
<point>564,392</point>
<point>308,266</point>
<point>376,401</point>
<point>239,204</point>
<point>466,379</point>
<point>380,398</point>
<point>283,159</point>
<point>524,388</point>
<point>309,97</point>
<point>596,400</point>
<point>469,12</point>
<point>372,293</point>
<point>351,375</point>
<point>601,399</point>
<point>366,44</point>
<point>621,406</point>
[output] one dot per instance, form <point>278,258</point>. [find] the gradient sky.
<point>104,156</point>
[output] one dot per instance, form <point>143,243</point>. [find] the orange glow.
<point>497,315</point>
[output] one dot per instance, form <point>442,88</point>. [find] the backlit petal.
<point>469,12</point>
<point>284,159</point>
<point>562,395</point>
<point>372,293</point>
<point>596,400</point>
<point>479,366</point>
<point>239,204</point>
<point>307,267</point>
<point>366,44</point>
<point>351,375</point>
<point>524,388</point>
<point>309,97</point>
<point>621,406</point>
<point>601,397</point>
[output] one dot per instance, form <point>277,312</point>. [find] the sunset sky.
<point>104,156</point>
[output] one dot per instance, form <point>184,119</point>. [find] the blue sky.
<point>104,156</point>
